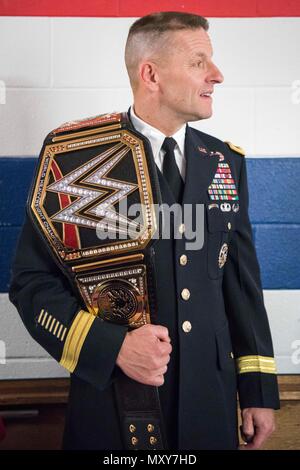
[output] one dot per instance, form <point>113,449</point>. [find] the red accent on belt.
<point>70,231</point>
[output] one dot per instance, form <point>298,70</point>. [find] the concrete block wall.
<point>55,69</point>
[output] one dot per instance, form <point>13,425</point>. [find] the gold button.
<point>232,355</point>
<point>181,228</point>
<point>153,440</point>
<point>185,294</point>
<point>132,428</point>
<point>183,260</point>
<point>186,326</point>
<point>229,225</point>
<point>150,428</point>
<point>134,441</point>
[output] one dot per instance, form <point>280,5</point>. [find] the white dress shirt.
<point>157,138</point>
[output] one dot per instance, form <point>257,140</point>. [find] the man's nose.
<point>215,74</point>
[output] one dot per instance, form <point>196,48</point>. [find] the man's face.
<point>187,75</point>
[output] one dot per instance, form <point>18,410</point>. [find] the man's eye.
<point>198,64</point>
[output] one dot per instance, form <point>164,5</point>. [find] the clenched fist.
<point>145,353</point>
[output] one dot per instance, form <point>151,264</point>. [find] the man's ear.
<point>149,75</point>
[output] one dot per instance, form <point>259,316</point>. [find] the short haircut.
<point>148,35</point>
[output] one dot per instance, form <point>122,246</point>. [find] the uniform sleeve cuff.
<point>258,390</point>
<point>91,349</point>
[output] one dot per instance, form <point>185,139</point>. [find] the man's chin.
<point>201,115</point>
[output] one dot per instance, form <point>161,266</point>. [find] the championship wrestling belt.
<point>87,171</point>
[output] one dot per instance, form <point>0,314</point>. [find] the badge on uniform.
<point>223,255</point>
<point>223,185</point>
<point>235,207</point>
<point>213,206</point>
<point>225,207</point>
<point>218,154</point>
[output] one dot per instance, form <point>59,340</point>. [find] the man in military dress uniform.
<point>211,337</point>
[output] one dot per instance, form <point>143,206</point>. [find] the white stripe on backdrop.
<point>57,69</point>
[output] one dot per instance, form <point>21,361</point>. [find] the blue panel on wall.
<point>274,190</point>
<point>279,255</point>
<point>15,178</point>
<point>274,202</point>
<point>8,241</point>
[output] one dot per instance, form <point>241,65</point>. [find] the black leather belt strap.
<point>140,415</point>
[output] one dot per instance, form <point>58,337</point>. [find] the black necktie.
<point>170,169</point>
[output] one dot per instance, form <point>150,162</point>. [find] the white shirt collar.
<point>155,136</point>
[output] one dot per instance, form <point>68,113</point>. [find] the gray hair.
<point>149,35</point>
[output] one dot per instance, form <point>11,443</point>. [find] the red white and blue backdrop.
<point>61,60</point>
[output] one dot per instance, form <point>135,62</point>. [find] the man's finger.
<point>259,438</point>
<point>161,332</point>
<point>159,372</point>
<point>164,348</point>
<point>246,437</point>
<point>248,426</point>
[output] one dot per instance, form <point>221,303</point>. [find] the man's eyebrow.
<point>199,54</point>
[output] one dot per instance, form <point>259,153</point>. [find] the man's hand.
<point>145,353</point>
<point>258,425</point>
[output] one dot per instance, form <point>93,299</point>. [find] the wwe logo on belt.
<point>96,194</point>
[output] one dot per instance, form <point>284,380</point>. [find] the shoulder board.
<point>235,148</point>
<point>94,121</point>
